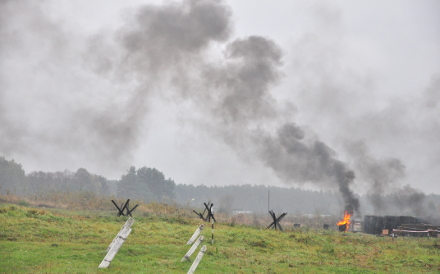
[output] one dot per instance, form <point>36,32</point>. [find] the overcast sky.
<point>225,92</point>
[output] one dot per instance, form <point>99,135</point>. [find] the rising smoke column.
<point>299,160</point>
<point>382,176</point>
<point>184,52</point>
<point>158,45</point>
<point>233,91</point>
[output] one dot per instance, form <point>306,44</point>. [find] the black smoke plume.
<point>182,52</point>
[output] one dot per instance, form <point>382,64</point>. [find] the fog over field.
<point>342,95</point>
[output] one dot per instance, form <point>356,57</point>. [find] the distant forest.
<point>149,184</point>
<point>296,201</point>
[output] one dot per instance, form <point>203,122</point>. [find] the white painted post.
<point>128,224</point>
<point>192,249</point>
<point>116,244</point>
<point>115,248</point>
<point>197,260</point>
<point>194,236</point>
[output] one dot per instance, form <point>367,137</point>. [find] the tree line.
<point>149,184</point>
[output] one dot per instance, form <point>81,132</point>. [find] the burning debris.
<point>344,224</point>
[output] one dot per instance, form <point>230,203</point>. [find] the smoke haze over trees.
<point>149,185</point>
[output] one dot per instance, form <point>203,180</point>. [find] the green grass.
<point>55,241</point>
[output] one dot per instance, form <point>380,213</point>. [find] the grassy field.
<point>34,240</point>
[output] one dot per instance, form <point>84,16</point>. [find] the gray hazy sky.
<point>232,92</point>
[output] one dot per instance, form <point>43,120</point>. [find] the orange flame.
<point>345,221</point>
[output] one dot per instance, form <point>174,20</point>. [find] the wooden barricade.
<point>210,213</point>
<point>276,221</point>
<point>126,207</point>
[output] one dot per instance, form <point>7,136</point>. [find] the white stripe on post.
<point>197,260</point>
<point>192,249</point>
<point>194,236</point>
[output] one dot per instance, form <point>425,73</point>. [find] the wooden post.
<point>115,248</point>
<point>195,235</point>
<point>192,249</point>
<point>210,212</point>
<point>197,260</point>
<point>127,205</point>
<point>116,244</point>
<point>119,208</point>
<point>127,224</point>
<point>212,226</point>
<point>130,211</point>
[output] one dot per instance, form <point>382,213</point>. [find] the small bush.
<point>23,203</point>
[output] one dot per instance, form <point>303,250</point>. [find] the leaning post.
<point>192,249</point>
<point>125,227</point>
<point>195,235</point>
<point>197,260</point>
<point>115,246</point>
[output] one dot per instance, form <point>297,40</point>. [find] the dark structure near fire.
<point>400,225</point>
<point>376,224</point>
